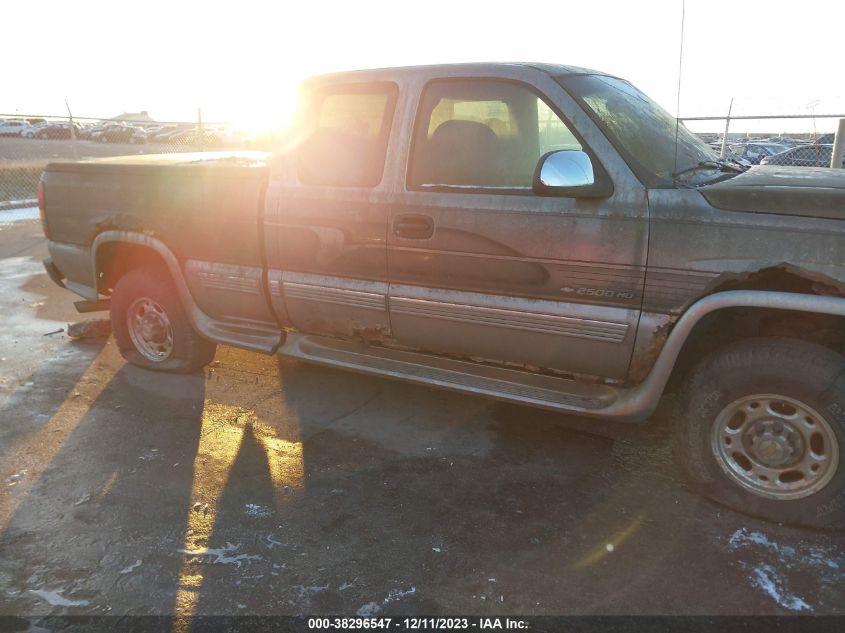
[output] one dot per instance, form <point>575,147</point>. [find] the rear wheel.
<point>760,427</point>
<point>150,324</point>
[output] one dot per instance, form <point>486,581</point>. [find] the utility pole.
<point>812,108</point>
<point>200,130</point>
<point>72,131</point>
<point>727,125</point>
<point>838,145</point>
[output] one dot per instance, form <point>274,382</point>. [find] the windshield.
<point>642,131</point>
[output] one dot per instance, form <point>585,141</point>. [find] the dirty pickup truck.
<point>541,234</point>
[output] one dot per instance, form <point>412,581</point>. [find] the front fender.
<point>638,403</point>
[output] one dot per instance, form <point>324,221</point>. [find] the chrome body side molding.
<point>578,327</point>
<point>633,404</point>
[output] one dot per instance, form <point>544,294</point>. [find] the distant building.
<point>139,117</point>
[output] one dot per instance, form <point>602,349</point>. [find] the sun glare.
<point>274,116</point>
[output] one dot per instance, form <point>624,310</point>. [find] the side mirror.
<point>570,173</point>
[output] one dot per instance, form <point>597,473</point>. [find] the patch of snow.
<point>255,510</point>
<point>15,479</point>
<point>769,580</point>
<point>305,593</point>
<point>787,554</point>
<point>372,609</point>
<point>369,610</point>
<point>18,215</point>
<point>222,555</point>
<point>398,594</point>
<point>131,567</point>
<point>55,598</point>
<point>151,454</point>
<point>270,543</point>
<point>774,561</point>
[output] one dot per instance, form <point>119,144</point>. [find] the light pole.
<point>812,108</point>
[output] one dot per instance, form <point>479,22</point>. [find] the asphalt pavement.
<point>269,486</point>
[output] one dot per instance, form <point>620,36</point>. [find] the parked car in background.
<point>755,152</point>
<point>120,133</point>
<point>163,133</point>
<point>89,131</point>
<point>152,129</point>
<point>55,131</point>
<point>786,140</point>
<point>802,156</point>
<point>33,129</point>
<point>14,127</point>
<point>196,138</point>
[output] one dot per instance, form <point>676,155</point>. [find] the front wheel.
<point>150,324</point>
<point>760,427</point>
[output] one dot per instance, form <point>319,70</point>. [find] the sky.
<point>242,61</point>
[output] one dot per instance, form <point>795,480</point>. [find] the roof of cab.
<point>474,68</point>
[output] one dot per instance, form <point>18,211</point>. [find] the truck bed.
<point>163,193</point>
<point>203,205</point>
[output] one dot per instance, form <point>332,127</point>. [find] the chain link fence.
<point>799,140</point>
<point>29,142</point>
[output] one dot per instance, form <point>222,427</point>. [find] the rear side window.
<point>348,132</point>
<point>483,133</point>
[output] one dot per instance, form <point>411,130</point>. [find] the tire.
<point>163,338</point>
<point>753,416</point>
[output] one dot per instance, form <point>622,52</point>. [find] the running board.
<point>252,337</point>
<point>510,385</point>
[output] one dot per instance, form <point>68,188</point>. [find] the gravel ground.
<point>268,486</point>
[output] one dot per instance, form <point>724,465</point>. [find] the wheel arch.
<point>640,401</point>
<point>114,253</point>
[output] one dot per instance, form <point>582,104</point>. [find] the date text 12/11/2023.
<point>417,623</point>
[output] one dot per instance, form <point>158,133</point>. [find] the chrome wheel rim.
<point>150,329</point>
<point>774,446</point>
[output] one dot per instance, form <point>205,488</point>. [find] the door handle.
<point>413,226</point>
